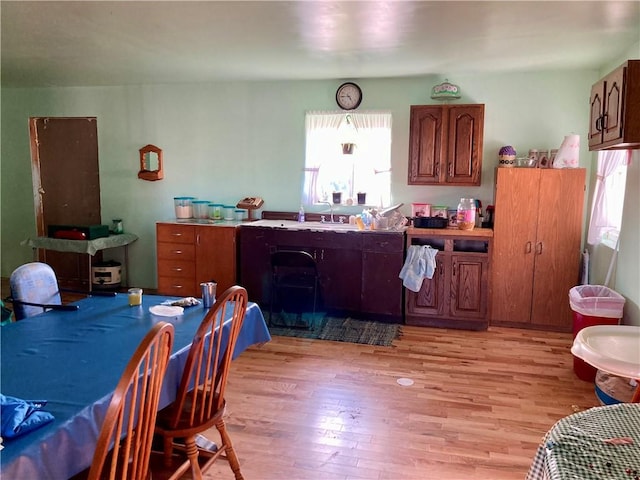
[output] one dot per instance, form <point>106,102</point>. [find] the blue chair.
<point>34,289</point>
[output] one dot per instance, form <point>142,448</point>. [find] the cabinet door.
<point>340,273</point>
<point>613,108</point>
<point>557,247</point>
<point>256,245</point>
<point>216,256</point>
<point>464,145</point>
<point>430,300</point>
<point>514,235</point>
<point>425,144</point>
<point>382,260</point>
<point>468,286</point>
<point>596,103</point>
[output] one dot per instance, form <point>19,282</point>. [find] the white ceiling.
<point>55,43</point>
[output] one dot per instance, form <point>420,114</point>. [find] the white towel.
<point>420,263</point>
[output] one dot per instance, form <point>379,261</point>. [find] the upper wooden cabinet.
<point>445,144</point>
<point>615,109</point>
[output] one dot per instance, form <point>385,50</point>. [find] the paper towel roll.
<point>568,155</point>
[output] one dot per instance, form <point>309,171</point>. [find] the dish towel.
<point>21,416</point>
<point>420,263</point>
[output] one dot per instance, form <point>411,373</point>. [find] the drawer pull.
<point>176,234</point>
<point>176,269</point>
<point>177,286</point>
<point>177,252</point>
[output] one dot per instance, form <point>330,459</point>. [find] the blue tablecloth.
<point>74,361</point>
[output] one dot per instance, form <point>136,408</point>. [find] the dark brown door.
<point>66,187</point>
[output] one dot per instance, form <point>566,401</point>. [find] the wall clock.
<point>349,96</point>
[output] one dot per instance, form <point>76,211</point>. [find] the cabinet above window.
<point>614,105</point>
<point>445,144</point>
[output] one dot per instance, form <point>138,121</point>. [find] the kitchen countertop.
<point>449,232</point>
<point>315,226</point>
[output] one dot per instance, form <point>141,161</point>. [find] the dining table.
<point>73,361</point>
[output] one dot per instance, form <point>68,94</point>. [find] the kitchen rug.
<point>341,329</point>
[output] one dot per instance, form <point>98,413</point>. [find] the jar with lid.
<point>466,217</point>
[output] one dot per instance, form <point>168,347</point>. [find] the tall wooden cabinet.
<point>615,106</point>
<point>189,254</point>
<point>536,255</point>
<point>445,144</point>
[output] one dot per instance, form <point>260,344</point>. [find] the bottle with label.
<point>301,214</point>
<point>466,214</point>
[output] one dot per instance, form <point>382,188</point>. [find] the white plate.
<point>166,310</point>
<point>612,348</point>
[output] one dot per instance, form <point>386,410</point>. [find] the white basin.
<point>612,348</point>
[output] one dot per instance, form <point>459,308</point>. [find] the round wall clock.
<point>348,96</point>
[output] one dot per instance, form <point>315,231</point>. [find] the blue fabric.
<point>74,360</point>
<point>19,416</point>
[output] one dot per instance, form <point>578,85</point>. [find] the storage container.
<point>466,214</point>
<point>215,211</point>
<point>420,210</point>
<point>184,206</point>
<point>200,208</point>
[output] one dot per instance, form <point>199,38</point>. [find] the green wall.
<point>223,141</point>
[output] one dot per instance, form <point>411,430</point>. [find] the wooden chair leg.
<point>230,453</point>
<point>191,449</point>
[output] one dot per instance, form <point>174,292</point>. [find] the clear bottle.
<point>301,214</point>
<point>466,217</point>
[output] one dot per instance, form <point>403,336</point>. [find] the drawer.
<point>176,251</point>
<point>171,233</point>
<point>179,287</point>
<point>382,242</point>
<point>177,269</point>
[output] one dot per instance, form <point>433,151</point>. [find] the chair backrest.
<point>131,416</point>
<point>33,282</point>
<point>204,379</point>
<point>293,259</point>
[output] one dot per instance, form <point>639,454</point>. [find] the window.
<point>350,153</point>
<point>608,198</point>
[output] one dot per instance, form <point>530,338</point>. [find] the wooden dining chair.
<point>123,450</point>
<point>200,401</point>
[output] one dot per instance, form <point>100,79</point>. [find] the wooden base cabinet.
<point>189,254</point>
<point>457,294</point>
<point>358,271</point>
<point>537,237</point>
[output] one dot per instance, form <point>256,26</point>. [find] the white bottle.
<point>301,214</point>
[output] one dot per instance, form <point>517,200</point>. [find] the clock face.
<point>348,96</point>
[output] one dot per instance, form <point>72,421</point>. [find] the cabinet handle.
<point>176,269</point>
<point>441,270</point>
<point>539,248</point>
<point>177,286</point>
<point>604,123</point>
<point>177,252</point>
<point>198,239</point>
<point>450,169</point>
<point>322,254</point>
<point>176,234</point>
<point>527,248</point>
<point>437,170</point>
<point>453,270</point>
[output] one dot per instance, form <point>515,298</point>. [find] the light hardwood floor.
<point>478,408</point>
<point>481,401</point>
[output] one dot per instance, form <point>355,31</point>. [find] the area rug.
<point>341,330</point>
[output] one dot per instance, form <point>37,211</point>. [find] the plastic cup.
<point>135,297</point>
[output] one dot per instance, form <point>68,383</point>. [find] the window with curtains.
<point>608,197</point>
<point>350,153</point>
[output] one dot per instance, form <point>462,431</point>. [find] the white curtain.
<point>608,162</point>
<point>371,159</point>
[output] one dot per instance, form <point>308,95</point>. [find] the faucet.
<point>330,208</point>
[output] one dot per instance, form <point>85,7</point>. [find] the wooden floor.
<point>478,408</point>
